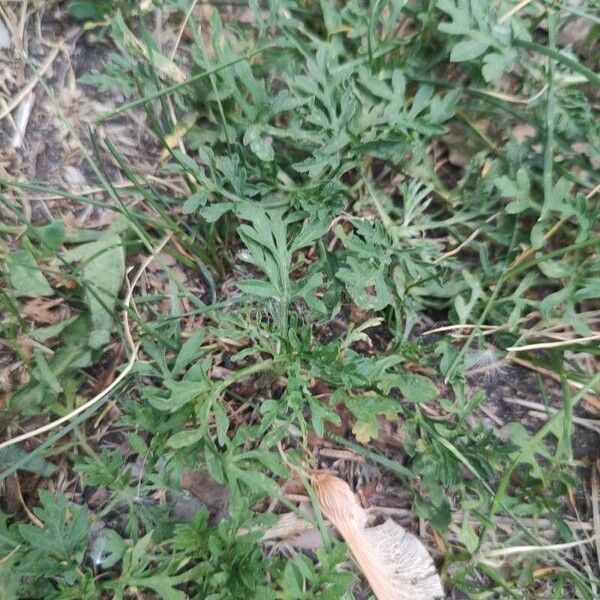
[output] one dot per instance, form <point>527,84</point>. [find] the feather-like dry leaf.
<point>294,531</point>
<point>395,562</point>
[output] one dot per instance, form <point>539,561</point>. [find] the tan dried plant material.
<point>395,562</point>
<point>293,531</point>
<point>39,309</point>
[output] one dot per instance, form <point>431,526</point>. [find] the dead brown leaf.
<point>39,309</point>
<point>202,485</point>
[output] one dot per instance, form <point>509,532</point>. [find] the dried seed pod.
<point>395,562</point>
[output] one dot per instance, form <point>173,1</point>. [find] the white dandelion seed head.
<point>486,361</point>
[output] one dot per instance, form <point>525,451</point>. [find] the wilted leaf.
<point>366,408</point>
<point>365,430</point>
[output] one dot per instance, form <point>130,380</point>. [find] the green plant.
<point>334,178</point>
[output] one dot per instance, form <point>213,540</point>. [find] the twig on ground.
<point>458,248</point>
<point>132,285</point>
<point>32,82</point>
<point>514,99</point>
<point>23,114</point>
<point>596,508</point>
<point>566,342</point>
<point>513,11</point>
<point>186,18</point>
<point>502,552</point>
<point>588,397</point>
<point>78,410</point>
<point>29,514</point>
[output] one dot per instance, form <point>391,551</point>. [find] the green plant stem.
<point>475,331</point>
<point>258,367</point>
<point>547,177</point>
<point>565,448</point>
<point>322,527</point>
<point>592,77</point>
<point>524,266</point>
<point>392,466</point>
